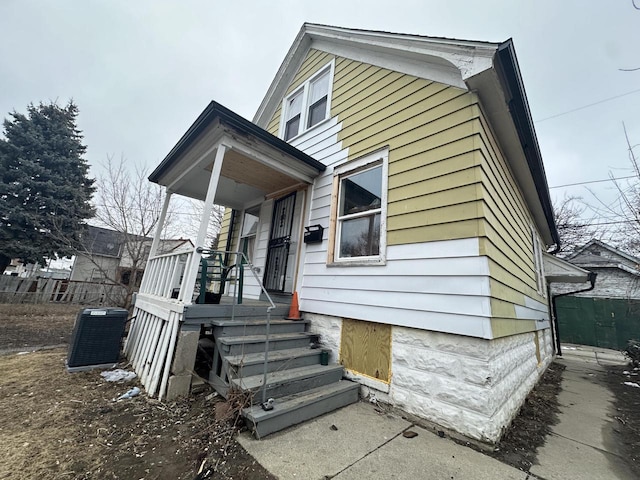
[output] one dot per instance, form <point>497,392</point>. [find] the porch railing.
<point>153,335</point>
<point>165,276</point>
<point>241,261</point>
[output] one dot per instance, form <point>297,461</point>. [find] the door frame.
<point>281,242</point>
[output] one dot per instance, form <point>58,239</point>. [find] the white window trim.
<point>538,263</point>
<point>305,87</point>
<point>380,157</point>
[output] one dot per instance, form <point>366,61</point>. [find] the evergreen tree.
<point>45,191</point>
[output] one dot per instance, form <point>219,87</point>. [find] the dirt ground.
<point>627,405</point>
<point>57,425</point>
<point>528,430</point>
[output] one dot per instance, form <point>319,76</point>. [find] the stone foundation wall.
<point>470,385</point>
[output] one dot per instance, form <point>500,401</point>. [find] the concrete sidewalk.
<point>582,445</point>
<point>359,442</point>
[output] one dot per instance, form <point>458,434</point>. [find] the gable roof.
<point>491,69</point>
<point>102,241</point>
<point>604,246</point>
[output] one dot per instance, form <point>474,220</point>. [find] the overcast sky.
<point>142,71</point>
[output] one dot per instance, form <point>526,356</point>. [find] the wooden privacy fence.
<point>47,290</point>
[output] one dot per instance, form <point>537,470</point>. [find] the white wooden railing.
<point>157,313</point>
<point>165,276</point>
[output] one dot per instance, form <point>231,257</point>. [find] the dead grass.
<point>24,325</point>
<point>57,425</point>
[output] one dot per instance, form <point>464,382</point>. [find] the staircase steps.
<point>255,343</point>
<point>300,407</point>
<point>301,387</point>
<point>290,381</point>
<point>224,328</point>
<point>253,363</point>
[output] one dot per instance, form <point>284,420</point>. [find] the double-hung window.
<point>308,105</point>
<point>360,228</point>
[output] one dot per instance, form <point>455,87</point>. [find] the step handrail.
<point>241,259</point>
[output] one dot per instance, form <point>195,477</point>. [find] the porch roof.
<point>255,162</point>
<point>561,271</point>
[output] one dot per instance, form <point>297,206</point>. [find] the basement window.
<point>309,105</point>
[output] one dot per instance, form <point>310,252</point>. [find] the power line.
<point>592,181</point>
<point>586,106</point>
<point>619,222</point>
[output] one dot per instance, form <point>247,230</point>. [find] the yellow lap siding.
<point>453,196</point>
<point>438,184</point>
<point>367,76</point>
<point>392,88</point>
<point>450,231</point>
<point>312,64</point>
<point>435,216</point>
<point>417,154</point>
<point>431,170</point>
<point>505,292</point>
<point>414,122</point>
<point>224,229</point>
<point>504,327</point>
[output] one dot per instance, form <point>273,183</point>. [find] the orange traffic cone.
<point>294,311</point>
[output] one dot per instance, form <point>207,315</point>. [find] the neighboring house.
<point>108,259</point>
<point>414,162</point>
<point>18,269</point>
<point>609,314</point>
<point>618,272</point>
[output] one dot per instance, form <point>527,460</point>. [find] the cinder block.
<point>178,386</point>
<point>185,355</point>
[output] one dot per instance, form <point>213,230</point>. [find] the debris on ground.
<point>528,430</point>
<point>118,375</point>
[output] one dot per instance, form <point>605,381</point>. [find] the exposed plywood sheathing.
<point>365,349</point>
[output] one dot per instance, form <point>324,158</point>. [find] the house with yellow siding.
<point>391,185</point>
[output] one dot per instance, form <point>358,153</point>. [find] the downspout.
<point>592,280</point>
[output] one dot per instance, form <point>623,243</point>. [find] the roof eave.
<point>510,77</point>
<point>216,111</point>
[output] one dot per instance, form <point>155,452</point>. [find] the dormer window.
<point>308,105</point>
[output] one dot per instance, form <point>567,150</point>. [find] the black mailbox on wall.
<point>313,234</point>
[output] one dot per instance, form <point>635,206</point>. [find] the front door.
<point>275,273</point>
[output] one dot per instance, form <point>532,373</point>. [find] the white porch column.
<point>192,271</point>
<point>160,226</point>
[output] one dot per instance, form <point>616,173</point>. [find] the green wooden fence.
<point>601,322</point>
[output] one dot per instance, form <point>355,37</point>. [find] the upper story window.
<point>360,213</point>
<point>308,105</point>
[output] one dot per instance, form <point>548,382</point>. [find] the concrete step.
<point>253,363</point>
<point>290,381</point>
<point>228,328</point>
<point>255,343</point>
<point>300,407</point>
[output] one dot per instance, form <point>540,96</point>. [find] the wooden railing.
<point>47,290</point>
<point>164,276</point>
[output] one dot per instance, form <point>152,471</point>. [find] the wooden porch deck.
<point>203,314</point>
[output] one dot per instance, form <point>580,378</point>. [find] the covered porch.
<point>223,159</point>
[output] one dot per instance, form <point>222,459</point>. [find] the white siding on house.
<point>610,283</point>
